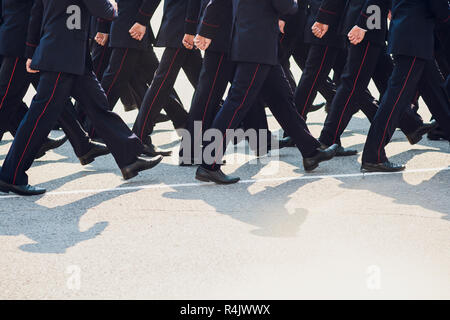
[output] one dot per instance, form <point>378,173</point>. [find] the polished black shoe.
<point>141,164</point>
<point>382,167</point>
<point>50,144</point>
<point>286,142</point>
<point>322,155</point>
<point>21,190</point>
<point>341,151</point>
<point>97,150</point>
<point>417,135</point>
<point>152,151</point>
<point>317,107</point>
<point>217,176</point>
<point>437,134</point>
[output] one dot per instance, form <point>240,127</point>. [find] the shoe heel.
<point>4,190</point>
<point>85,162</point>
<point>128,176</point>
<point>201,178</point>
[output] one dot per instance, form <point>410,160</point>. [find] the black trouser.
<point>172,61</point>
<point>14,84</point>
<point>217,71</point>
<point>359,69</point>
<point>55,88</point>
<point>249,81</point>
<point>145,72</point>
<point>408,74</point>
<point>318,65</point>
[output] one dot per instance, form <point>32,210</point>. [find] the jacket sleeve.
<point>102,9</point>
<point>146,11</point>
<point>192,15</point>
<point>213,18</point>
<point>440,9</point>
<point>330,11</point>
<point>285,7</point>
<point>362,19</point>
<point>34,29</point>
<point>103,26</point>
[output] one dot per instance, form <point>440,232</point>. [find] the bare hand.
<point>188,41</point>
<point>29,70</point>
<point>356,35</point>
<point>281,25</point>
<point>101,38</point>
<point>319,29</point>
<point>138,31</point>
<point>202,43</point>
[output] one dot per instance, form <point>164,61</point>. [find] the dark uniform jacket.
<point>215,25</point>
<point>172,28</point>
<point>328,12</point>
<point>357,13</point>
<point>130,12</point>
<point>255,33</point>
<point>412,27</point>
<point>13,31</point>
<point>55,47</point>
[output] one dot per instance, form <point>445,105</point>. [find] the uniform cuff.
<point>190,27</point>
<point>29,50</point>
<point>326,17</point>
<point>208,30</point>
<point>143,18</point>
<point>103,26</point>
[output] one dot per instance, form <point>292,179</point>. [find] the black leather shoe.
<point>141,164</point>
<point>152,151</point>
<point>50,144</point>
<point>342,152</point>
<point>437,134</point>
<point>382,167</point>
<point>21,190</point>
<point>322,155</point>
<point>286,142</point>
<point>97,150</point>
<point>218,176</point>
<point>417,135</point>
<point>317,107</point>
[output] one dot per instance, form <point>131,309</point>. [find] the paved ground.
<point>280,233</point>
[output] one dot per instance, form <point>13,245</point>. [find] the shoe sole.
<point>205,179</point>
<point>135,173</point>
<point>366,170</point>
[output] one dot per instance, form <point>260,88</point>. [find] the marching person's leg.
<point>47,105</point>
<point>319,63</point>
<point>356,76</point>
<point>276,91</point>
<point>14,84</point>
<point>402,87</point>
<point>433,93</point>
<point>162,85</point>
<point>247,82</point>
<point>124,145</point>
<point>215,74</point>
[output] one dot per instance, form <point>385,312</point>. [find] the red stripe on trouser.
<point>353,91</point>
<point>9,83</point>
<point>113,82</point>
<point>212,88</point>
<point>239,108</point>
<point>315,80</point>
<point>35,126</point>
<point>393,108</point>
<point>101,61</point>
<point>157,93</point>
<point>117,73</point>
